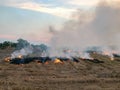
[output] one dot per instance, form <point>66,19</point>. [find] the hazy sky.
<point>30,19</point>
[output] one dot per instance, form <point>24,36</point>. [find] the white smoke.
<point>22,52</point>
<point>86,56</point>
<point>99,28</point>
<point>24,48</point>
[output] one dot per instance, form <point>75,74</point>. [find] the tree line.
<point>7,44</point>
<point>21,43</point>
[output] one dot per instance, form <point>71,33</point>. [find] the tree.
<point>7,44</point>
<point>22,43</point>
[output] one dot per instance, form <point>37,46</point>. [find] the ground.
<point>70,75</point>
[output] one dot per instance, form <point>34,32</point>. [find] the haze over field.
<point>59,44</point>
<point>101,28</point>
<point>56,22</point>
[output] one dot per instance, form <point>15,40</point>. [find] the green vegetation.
<point>7,44</point>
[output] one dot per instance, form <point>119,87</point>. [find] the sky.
<point>31,19</point>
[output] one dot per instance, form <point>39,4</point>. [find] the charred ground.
<point>69,75</point>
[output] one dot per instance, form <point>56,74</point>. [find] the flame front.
<point>46,63</point>
<point>20,56</point>
<point>7,59</point>
<point>106,53</point>
<point>110,54</point>
<point>56,61</point>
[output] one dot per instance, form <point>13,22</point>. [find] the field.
<point>70,75</point>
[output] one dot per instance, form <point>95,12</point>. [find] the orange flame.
<point>20,56</point>
<point>56,61</point>
<point>46,63</point>
<point>112,58</point>
<point>109,54</point>
<point>106,53</point>
<point>7,59</point>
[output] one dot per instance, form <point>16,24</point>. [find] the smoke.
<point>22,52</point>
<point>107,23</point>
<point>100,28</point>
<point>24,48</point>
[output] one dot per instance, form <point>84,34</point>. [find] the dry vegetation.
<point>84,75</point>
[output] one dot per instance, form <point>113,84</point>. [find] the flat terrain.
<point>84,75</point>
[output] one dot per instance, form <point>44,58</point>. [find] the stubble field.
<point>69,75</point>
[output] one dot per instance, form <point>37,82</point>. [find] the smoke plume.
<point>99,28</point>
<point>24,48</point>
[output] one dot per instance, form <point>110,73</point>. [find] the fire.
<point>106,53</point>
<point>56,61</point>
<point>46,63</point>
<point>110,54</point>
<point>112,58</point>
<point>7,59</point>
<point>20,56</point>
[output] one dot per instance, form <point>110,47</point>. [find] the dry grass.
<point>68,76</point>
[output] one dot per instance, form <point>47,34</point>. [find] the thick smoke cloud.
<point>99,28</point>
<point>107,23</point>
